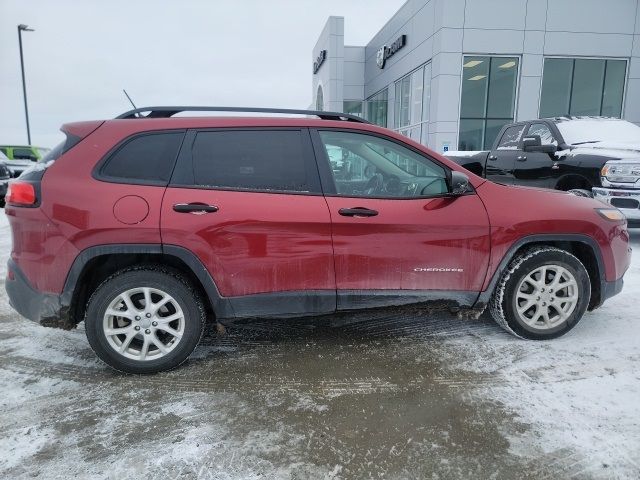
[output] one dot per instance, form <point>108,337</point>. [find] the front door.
<point>248,204</point>
<point>393,228</point>
<point>538,169</point>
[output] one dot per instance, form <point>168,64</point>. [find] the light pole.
<point>25,28</point>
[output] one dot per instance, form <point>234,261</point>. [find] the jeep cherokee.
<point>146,225</point>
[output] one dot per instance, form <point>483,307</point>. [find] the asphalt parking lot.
<point>404,394</point>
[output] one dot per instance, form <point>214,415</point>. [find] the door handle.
<point>196,208</point>
<point>357,212</point>
<point>492,157</point>
<point>521,158</point>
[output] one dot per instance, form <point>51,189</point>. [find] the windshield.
<point>591,130</point>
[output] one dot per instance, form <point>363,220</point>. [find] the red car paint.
<point>272,242</point>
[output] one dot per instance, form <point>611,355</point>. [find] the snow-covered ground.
<point>405,395</point>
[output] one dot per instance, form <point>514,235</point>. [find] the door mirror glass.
<point>459,183</point>
<point>532,143</point>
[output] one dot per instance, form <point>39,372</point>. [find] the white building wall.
<point>331,74</point>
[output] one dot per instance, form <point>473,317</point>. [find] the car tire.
<point>580,192</point>
<point>145,319</point>
<point>529,308</point>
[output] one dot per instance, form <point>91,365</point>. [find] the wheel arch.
<point>95,264</point>
<point>572,181</point>
<point>583,247</point>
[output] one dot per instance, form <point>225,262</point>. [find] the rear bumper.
<point>43,308</point>
<point>627,201</point>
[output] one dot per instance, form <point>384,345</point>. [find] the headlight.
<point>612,214</point>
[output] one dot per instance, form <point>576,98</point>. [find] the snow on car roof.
<point>582,130</point>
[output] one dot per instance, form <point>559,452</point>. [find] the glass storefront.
<point>488,99</point>
<point>353,107</point>
<point>376,108</point>
<point>582,86</point>
<point>413,94</point>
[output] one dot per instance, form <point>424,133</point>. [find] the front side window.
<point>365,165</point>
<point>582,86</point>
<point>542,130</point>
<point>251,160</point>
<point>511,138</point>
<point>488,99</point>
<point>146,158</point>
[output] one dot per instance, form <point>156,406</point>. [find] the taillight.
<point>21,194</point>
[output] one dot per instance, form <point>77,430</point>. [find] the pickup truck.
<point>589,156</point>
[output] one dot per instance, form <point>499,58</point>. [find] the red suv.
<point>145,226</point>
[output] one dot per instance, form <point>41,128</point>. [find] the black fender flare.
<point>221,305</point>
<point>485,296</point>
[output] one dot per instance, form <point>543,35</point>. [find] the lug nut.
<point>148,315</point>
<point>542,290</point>
<point>137,327</point>
<point>155,324</point>
<point>538,298</point>
<point>137,317</point>
<point>147,331</point>
<point>544,304</point>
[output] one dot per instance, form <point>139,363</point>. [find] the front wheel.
<point>542,295</point>
<point>144,320</point>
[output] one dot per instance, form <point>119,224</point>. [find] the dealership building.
<point>451,73</point>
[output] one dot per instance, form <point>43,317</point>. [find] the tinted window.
<point>546,137</point>
<point>255,160</point>
<point>24,154</point>
<point>370,166</point>
<point>511,138</point>
<point>575,86</point>
<point>488,99</point>
<point>149,158</point>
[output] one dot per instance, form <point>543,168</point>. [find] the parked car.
<point>566,153</point>
<point>22,157</point>
<point>229,218</point>
<point>5,175</point>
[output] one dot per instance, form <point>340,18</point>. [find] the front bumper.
<point>44,308</point>
<point>625,200</point>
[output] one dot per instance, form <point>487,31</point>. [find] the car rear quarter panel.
<point>518,212</point>
<point>77,212</point>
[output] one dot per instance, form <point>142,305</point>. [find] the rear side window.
<point>273,160</point>
<point>147,158</point>
<point>511,138</point>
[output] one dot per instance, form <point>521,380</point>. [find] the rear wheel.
<point>144,320</point>
<point>543,294</point>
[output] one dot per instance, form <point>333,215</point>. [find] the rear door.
<point>248,204</point>
<point>502,160</point>
<point>395,228</point>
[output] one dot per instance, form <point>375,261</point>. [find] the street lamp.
<point>25,28</point>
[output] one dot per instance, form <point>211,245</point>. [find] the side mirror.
<point>459,183</point>
<point>533,143</point>
<point>529,143</point>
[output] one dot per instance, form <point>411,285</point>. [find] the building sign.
<point>319,61</point>
<point>387,51</point>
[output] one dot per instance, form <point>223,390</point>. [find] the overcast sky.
<point>240,53</point>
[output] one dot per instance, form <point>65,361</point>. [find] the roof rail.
<point>165,112</point>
